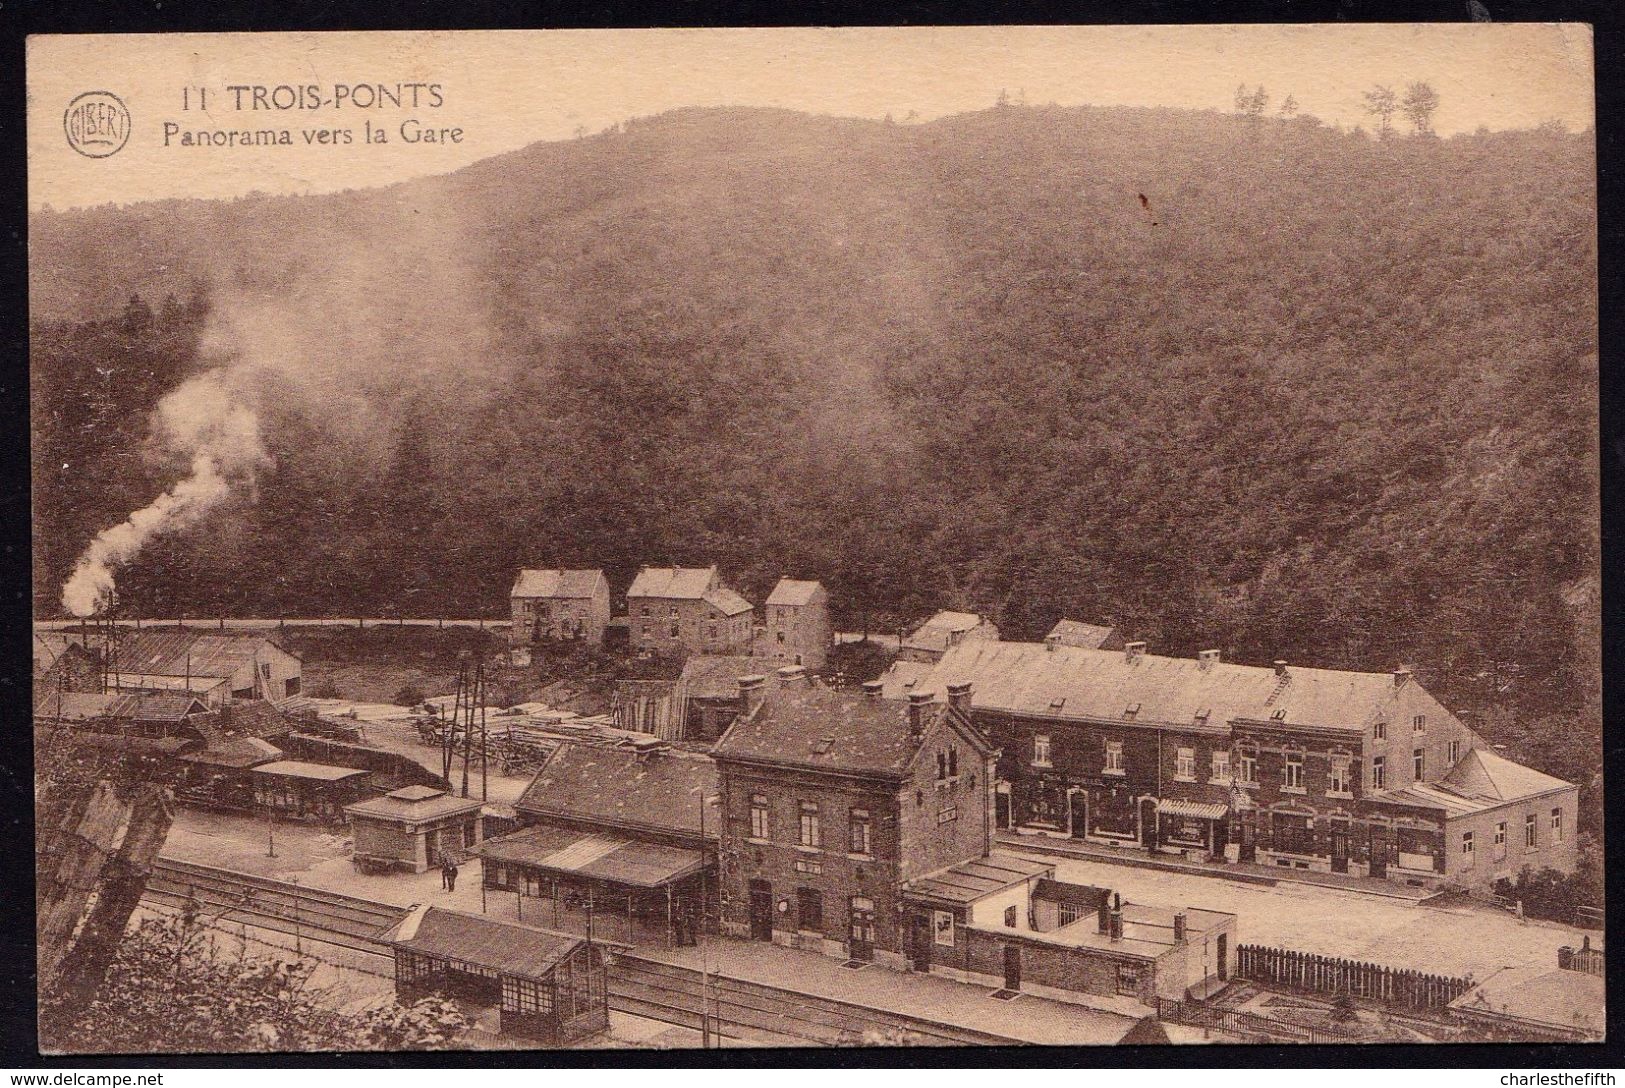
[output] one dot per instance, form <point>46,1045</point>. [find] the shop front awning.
<point>602,856</point>
<point>1193,810</point>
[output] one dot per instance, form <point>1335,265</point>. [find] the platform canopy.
<point>601,856</point>
<point>972,880</point>
<point>315,772</point>
<point>508,948</point>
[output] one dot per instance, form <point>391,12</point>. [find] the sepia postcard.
<point>732,538</point>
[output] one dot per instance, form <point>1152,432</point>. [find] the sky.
<point>506,89</point>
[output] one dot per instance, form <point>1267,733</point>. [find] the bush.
<point>325,690</point>
<point>409,695</point>
<point>1549,894</point>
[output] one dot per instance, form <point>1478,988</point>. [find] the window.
<point>809,909</point>
<point>647,612</point>
<point>942,766</point>
<point>1418,762</point>
<point>1221,766</point>
<point>645,630</point>
<point>953,762</point>
<point>1454,752</point>
<point>858,838</point>
<point>809,825</point>
<point>1128,978</point>
<point>1466,849</point>
<point>1114,757</point>
<point>1377,772</point>
<point>675,630</point>
<point>291,685</point>
<point>1292,772</point>
<point>781,638</point>
<point>1557,825</point>
<point>672,611</point>
<point>526,996</point>
<point>1185,764</point>
<point>1501,839</point>
<point>265,669</point>
<point>1531,835</point>
<point>758,817</point>
<point>1419,724</point>
<point>947,814</point>
<point>1041,749</point>
<point>1067,913</point>
<point>1010,916</point>
<point>1247,766</point>
<point>1338,779</point>
<point>942,927</point>
<point>1379,731</point>
<point>711,631</point>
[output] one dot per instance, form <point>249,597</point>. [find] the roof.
<point>255,718</point>
<point>1483,774</point>
<point>828,730</point>
<point>662,790</point>
<point>970,881</point>
<point>510,948</point>
<point>317,772</point>
<point>595,855</point>
<point>726,601</point>
<point>903,677</point>
<point>570,584</point>
<point>1540,994</point>
<point>72,706</point>
<point>1060,891</point>
<point>686,583</point>
<point>167,706</point>
<point>792,591</point>
<point>934,633</point>
<point>151,681</point>
<point>1069,682</point>
<point>1088,636</point>
<point>239,753</point>
<point>411,804</point>
<point>195,653</point>
<point>716,676</point>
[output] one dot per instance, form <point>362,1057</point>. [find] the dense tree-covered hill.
<point>1267,386</point>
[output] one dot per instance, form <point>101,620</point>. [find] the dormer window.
<point>822,745</point>
<point>1057,704</point>
<point>1131,710</point>
<point>1278,716</point>
<point>1204,714</point>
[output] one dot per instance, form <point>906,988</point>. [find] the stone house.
<point>687,610</point>
<point>796,625</point>
<point>941,633</point>
<point>562,605</point>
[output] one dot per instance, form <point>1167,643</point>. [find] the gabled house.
<point>941,633</point>
<point>676,610</point>
<point>1282,765</point>
<point>796,625</point>
<point>833,801</point>
<point>217,668</point>
<point>563,605</point>
<point>1085,636</point>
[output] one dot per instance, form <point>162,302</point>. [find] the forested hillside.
<point>1265,386</point>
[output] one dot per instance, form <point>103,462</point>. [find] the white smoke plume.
<point>205,421</point>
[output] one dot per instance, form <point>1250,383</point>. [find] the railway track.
<point>736,1011</point>
<point>307,913</point>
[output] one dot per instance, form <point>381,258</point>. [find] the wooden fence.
<point>1310,973</point>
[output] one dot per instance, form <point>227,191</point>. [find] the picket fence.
<point>1311,973</point>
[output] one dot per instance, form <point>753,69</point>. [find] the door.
<point>1224,956</point>
<point>761,910</point>
<point>1148,824</point>
<point>1080,814</point>
<point>861,931</point>
<point>1001,808</point>
<point>1248,850</point>
<point>920,953</point>
<point>1379,855</point>
<point>1340,850</point>
<point>1012,967</point>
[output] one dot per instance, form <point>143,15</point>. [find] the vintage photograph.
<point>885,537</point>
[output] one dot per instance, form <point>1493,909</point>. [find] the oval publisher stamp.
<point>97,124</point>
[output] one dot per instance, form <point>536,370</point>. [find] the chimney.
<point>1179,927</point>
<point>1051,641</point>
<point>1565,958</point>
<point>1280,668</point>
<point>873,688</point>
<point>1401,676</point>
<point>1206,659</point>
<point>792,676</point>
<point>917,702</point>
<point>959,697</point>
<point>752,691</point>
<point>1117,917</point>
<point>1133,651</point>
